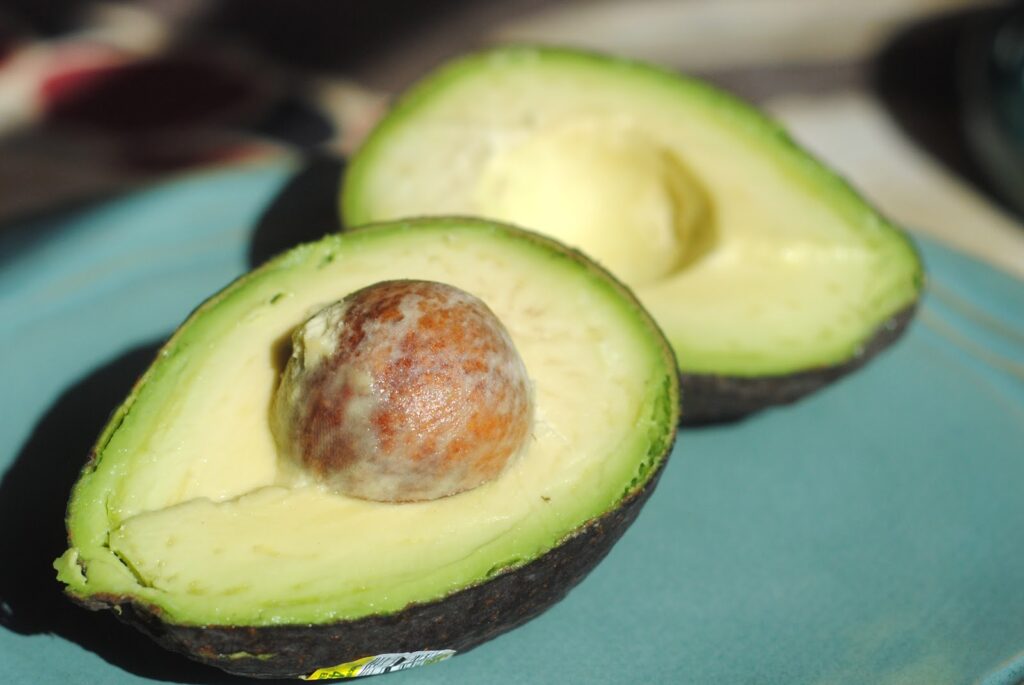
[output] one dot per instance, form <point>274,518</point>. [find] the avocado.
<point>770,276</point>
<point>192,524</point>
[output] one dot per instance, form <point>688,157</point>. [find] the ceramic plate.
<point>869,534</point>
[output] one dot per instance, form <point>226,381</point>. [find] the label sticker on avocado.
<point>382,663</point>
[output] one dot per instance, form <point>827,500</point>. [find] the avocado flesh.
<point>187,511</point>
<point>755,260</point>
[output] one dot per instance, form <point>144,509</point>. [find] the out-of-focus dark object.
<point>991,81</point>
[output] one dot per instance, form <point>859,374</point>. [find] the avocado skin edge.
<point>460,621</point>
<point>709,398</point>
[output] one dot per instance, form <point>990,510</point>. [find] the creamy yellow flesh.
<point>752,259</point>
<point>624,199</point>
<point>207,523</point>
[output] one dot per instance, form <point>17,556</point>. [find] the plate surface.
<point>871,533</point>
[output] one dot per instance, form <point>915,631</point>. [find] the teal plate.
<point>873,533</point>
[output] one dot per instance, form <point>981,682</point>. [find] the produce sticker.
<point>382,663</point>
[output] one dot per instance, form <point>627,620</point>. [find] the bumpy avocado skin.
<point>708,398</point>
<point>460,621</point>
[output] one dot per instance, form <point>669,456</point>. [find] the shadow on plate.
<point>33,495</point>
<point>305,209</point>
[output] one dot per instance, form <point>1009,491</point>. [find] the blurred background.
<point>919,102</point>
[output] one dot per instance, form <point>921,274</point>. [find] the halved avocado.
<point>188,524</point>
<point>769,274</point>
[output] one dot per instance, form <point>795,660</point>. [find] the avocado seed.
<point>403,391</point>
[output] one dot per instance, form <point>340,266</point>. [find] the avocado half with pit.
<point>190,524</point>
<point>769,275</point>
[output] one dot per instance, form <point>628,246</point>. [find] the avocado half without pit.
<point>770,276</point>
<point>375,451</point>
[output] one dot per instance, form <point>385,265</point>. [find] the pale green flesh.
<point>753,258</point>
<point>189,509</point>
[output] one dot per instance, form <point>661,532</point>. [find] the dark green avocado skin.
<point>459,621</point>
<point>708,398</point>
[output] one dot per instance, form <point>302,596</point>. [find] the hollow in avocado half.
<point>218,515</point>
<point>769,275</point>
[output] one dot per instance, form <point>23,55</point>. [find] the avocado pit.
<point>403,391</point>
